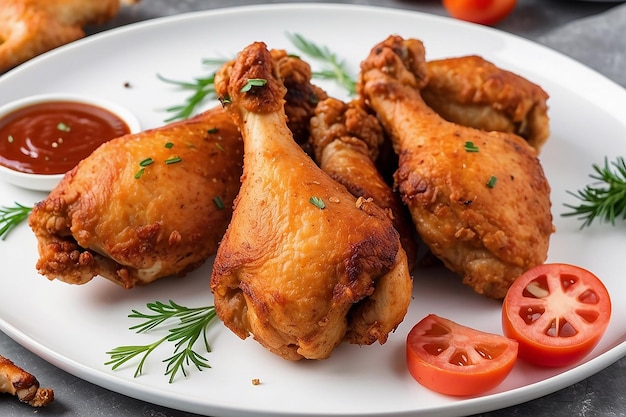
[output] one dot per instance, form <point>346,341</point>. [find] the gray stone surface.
<point>591,32</point>
<point>598,41</point>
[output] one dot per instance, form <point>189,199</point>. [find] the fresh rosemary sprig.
<point>10,217</point>
<point>191,324</point>
<point>202,89</point>
<point>336,69</point>
<point>604,199</point>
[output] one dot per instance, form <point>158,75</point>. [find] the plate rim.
<point>102,379</point>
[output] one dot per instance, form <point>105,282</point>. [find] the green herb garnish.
<point>219,203</point>
<point>201,89</point>
<point>143,164</point>
<point>10,217</point>
<point>146,162</point>
<point>173,160</point>
<point>169,145</point>
<point>224,100</point>
<point>317,202</point>
<point>63,127</point>
<point>253,82</point>
<point>191,324</point>
<point>604,199</point>
<point>336,68</point>
<point>491,182</point>
<point>470,147</point>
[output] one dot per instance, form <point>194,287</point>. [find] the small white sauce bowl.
<point>46,182</point>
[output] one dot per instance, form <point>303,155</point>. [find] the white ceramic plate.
<point>73,326</point>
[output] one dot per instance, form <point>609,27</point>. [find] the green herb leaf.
<point>10,217</point>
<point>470,147</point>
<point>201,89</point>
<point>253,82</point>
<point>146,162</point>
<point>317,202</point>
<point>491,182</point>
<point>169,145</point>
<point>63,127</point>
<point>190,325</point>
<point>605,198</point>
<point>219,203</point>
<point>336,68</point>
<point>173,160</point>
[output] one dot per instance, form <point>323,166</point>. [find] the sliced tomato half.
<point>457,360</point>
<point>557,312</point>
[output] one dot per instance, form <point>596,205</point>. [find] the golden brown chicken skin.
<point>301,97</point>
<point>31,27</point>
<point>304,264</point>
<point>474,92</point>
<point>346,139</point>
<point>479,200</point>
<point>133,224</point>
<point>22,384</point>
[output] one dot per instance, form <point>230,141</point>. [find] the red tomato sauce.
<point>52,137</point>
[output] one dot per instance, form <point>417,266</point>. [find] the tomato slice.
<point>557,312</point>
<point>486,12</point>
<point>457,360</point>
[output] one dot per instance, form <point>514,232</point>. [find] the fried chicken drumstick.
<point>31,27</point>
<point>479,200</point>
<point>16,381</point>
<point>304,264</point>
<point>345,141</point>
<point>143,206</point>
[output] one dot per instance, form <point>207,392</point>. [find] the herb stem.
<point>10,217</point>
<point>203,88</point>
<point>335,69</point>
<point>192,323</point>
<point>605,198</point>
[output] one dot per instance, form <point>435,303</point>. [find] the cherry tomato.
<point>456,360</point>
<point>557,313</point>
<point>486,12</point>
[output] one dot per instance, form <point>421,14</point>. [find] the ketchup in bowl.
<point>46,136</point>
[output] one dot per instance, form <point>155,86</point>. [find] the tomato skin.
<point>537,347</point>
<point>485,12</point>
<point>436,372</point>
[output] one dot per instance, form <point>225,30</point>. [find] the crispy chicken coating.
<point>346,140</point>
<point>304,264</point>
<point>143,206</point>
<point>101,220</point>
<point>31,27</point>
<point>22,384</point>
<point>301,97</point>
<point>474,92</point>
<point>479,200</point>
